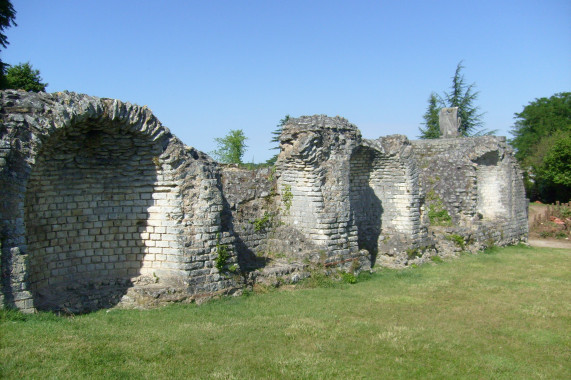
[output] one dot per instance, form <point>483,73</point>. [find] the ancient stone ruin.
<point>101,206</point>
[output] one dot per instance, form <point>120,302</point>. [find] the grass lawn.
<point>504,314</point>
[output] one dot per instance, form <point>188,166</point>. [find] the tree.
<point>542,141</point>
<point>539,119</point>
<point>462,96</point>
<point>24,77</point>
<point>231,148</point>
<point>432,128</point>
<point>276,138</point>
<point>556,167</point>
<point>7,16</point>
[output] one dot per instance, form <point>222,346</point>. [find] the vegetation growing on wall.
<point>287,197</point>
<point>437,213</point>
<point>223,254</point>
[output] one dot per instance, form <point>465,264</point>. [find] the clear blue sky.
<point>205,67</point>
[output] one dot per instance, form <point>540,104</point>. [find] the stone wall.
<point>478,182</point>
<point>314,167</point>
<point>386,198</point>
<point>102,206</point>
<point>98,197</point>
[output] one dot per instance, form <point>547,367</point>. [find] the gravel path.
<point>550,243</point>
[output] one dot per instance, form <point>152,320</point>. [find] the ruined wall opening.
<point>384,203</point>
<point>366,206</point>
<point>492,180</point>
<point>86,214</point>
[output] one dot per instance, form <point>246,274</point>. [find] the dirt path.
<point>550,243</point>
<point>535,240</point>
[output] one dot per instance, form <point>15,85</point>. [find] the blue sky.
<point>205,67</point>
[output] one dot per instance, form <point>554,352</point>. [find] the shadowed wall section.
<point>385,196</point>
<point>103,206</point>
<point>86,213</point>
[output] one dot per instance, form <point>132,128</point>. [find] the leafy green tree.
<point>539,119</point>
<point>461,95</point>
<point>542,133</point>
<point>7,16</point>
<point>431,128</point>
<point>231,148</point>
<point>556,166</point>
<point>24,77</point>
<point>276,138</point>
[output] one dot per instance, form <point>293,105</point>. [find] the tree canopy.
<point>461,95</point>
<point>542,139</point>
<point>539,119</point>
<point>431,128</point>
<point>7,17</point>
<point>231,148</point>
<point>24,77</point>
<point>276,139</point>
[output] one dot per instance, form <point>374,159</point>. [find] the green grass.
<point>503,314</point>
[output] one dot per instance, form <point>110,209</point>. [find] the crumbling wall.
<point>102,206</point>
<point>100,198</point>
<point>386,198</point>
<point>477,183</point>
<point>314,167</point>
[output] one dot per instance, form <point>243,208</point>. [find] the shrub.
<point>348,278</point>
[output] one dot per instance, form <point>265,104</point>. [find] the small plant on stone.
<point>355,265</point>
<point>262,223</point>
<point>437,213</point>
<point>458,240</point>
<point>272,173</point>
<point>287,197</point>
<point>413,253</point>
<point>233,268</point>
<point>223,254</point>
<point>436,259</point>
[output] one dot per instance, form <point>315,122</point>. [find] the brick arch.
<point>92,194</point>
<point>385,195</point>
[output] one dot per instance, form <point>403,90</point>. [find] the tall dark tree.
<point>431,128</point>
<point>7,17</point>
<point>24,77</point>
<point>276,138</point>
<point>461,95</point>
<point>542,141</point>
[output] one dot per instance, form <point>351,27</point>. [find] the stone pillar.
<point>449,122</point>
<point>314,175</point>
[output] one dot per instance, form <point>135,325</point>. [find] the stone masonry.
<point>101,206</point>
